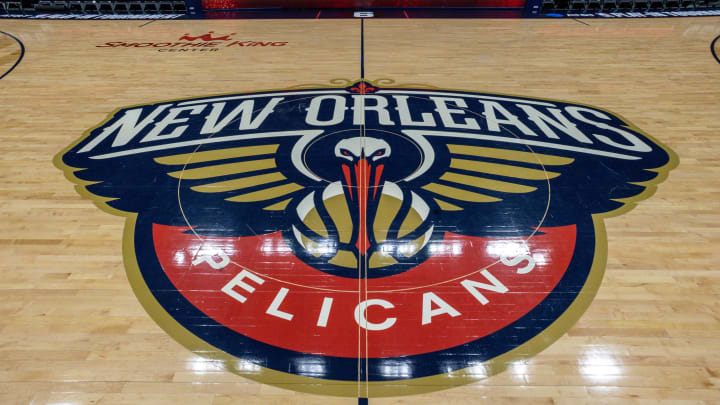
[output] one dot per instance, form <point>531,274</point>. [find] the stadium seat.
<point>166,7</point>
<point>14,6</point>
<point>179,7</point>
<point>46,5</point>
<point>106,7</point>
<point>134,7</point>
<point>610,5</point>
<point>577,5</point>
<point>90,7</point>
<point>150,7</point>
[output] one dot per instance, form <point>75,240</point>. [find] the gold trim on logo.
<point>374,389</point>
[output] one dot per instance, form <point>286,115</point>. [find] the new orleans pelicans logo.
<point>364,233</point>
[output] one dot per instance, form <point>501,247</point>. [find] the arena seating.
<point>94,7</point>
<point>106,7</point>
<point>626,5</point>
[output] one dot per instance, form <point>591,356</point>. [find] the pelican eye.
<point>345,152</point>
<point>379,153</point>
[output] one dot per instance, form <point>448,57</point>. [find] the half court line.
<point>362,262</point>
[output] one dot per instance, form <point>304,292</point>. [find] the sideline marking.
<point>581,22</point>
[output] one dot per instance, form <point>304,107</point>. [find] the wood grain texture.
<point>72,332</point>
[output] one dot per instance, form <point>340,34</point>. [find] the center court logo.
<point>365,232</point>
<point>209,42</point>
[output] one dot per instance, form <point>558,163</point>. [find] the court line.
<point>149,22</point>
<point>362,258</point>
<point>22,53</point>
<point>204,141</point>
<point>468,95</point>
<point>496,138</point>
<point>362,49</point>
<point>259,95</point>
<point>581,22</point>
<point>712,49</point>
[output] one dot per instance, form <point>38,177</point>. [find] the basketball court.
<point>360,210</point>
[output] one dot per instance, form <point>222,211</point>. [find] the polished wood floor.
<point>72,332</point>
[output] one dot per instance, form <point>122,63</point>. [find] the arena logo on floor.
<point>365,232</point>
<point>209,42</point>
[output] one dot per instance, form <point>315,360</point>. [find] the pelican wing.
<point>498,187</point>
<point>231,188</point>
<point>478,174</point>
<point>247,174</point>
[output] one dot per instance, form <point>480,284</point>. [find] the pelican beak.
<point>363,180</point>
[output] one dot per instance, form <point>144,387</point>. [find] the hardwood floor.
<point>73,332</point>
